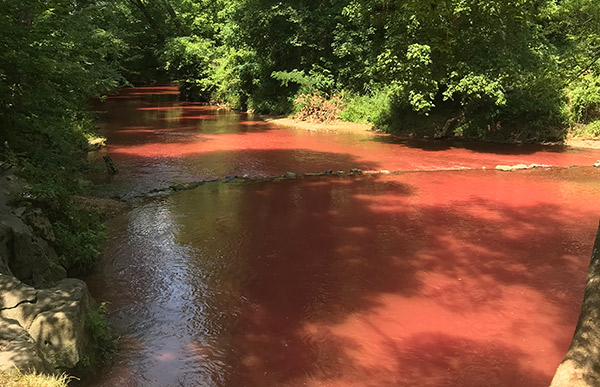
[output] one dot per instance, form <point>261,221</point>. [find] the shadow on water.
<point>430,279</point>
<point>323,267</point>
<point>440,145</point>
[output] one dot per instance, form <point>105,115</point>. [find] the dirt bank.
<point>333,126</point>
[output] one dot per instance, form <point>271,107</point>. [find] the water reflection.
<point>432,279</point>
<point>373,281</point>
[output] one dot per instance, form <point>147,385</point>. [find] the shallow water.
<point>447,278</point>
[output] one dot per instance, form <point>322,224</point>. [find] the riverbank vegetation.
<point>55,57</point>
<point>501,70</point>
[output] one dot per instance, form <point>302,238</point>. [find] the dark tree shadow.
<point>430,145</point>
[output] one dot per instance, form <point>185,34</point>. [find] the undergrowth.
<point>103,337</point>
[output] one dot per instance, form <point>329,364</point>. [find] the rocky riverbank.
<point>43,314</point>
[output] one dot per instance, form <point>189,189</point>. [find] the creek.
<point>440,273</point>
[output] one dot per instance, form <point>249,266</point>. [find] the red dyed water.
<point>453,278</point>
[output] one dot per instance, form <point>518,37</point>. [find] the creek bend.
<point>448,278</point>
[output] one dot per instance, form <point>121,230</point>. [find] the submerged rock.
<point>519,166</point>
<point>508,168</point>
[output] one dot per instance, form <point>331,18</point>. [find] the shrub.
<point>102,334</point>
<point>584,99</point>
<point>367,108</point>
<point>318,107</point>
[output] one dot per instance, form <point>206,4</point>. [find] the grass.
<point>587,131</point>
<point>16,378</point>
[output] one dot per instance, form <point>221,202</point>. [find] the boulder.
<point>19,350</point>
<point>40,224</point>
<point>505,168</point>
<point>24,235</point>
<point>54,318</point>
<point>60,331</point>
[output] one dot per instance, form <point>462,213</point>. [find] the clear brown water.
<point>451,278</point>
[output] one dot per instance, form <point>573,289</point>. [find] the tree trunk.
<point>173,15</point>
<point>581,365</point>
<point>149,19</point>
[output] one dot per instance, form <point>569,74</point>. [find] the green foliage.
<point>79,234</point>
<point>58,54</point>
<point>584,99</point>
<point>586,131</point>
<point>103,338</point>
<point>315,80</point>
<point>366,108</point>
<point>189,61</point>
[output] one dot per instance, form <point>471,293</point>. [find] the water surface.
<point>451,278</point>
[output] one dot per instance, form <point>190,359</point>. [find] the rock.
<point>14,292</point>
<point>483,168</point>
<point>61,331</point>
<point>290,175</point>
<point>192,185</point>
<point>356,171</point>
<point>55,318</point>
<point>32,258</point>
<point>19,350</point>
<point>329,172</point>
<point>19,211</point>
<point>519,167</point>
<point>40,224</point>
<point>5,248</point>
<point>597,164</point>
<point>533,166</point>
<point>24,249</point>
<point>108,207</point>
<point>340,172</point>
<point>505,168</point>
<point>384,172</point>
